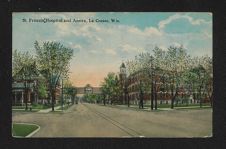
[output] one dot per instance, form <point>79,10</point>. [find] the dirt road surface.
<point>90,120</point>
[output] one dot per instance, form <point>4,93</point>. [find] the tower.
<point>122,72</point>
<point>122,77</point>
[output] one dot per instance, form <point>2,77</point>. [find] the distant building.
<point>88,89</point>
<point>133,84</point>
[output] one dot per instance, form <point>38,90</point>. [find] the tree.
<point>200,72</point>
<point>70,90</point>
<point>177,59</point>
<point>53,62</point>
<point>159,72</point>
<point>140,67</point>
<point>42,89</point>
<point>207,64</point>
<point>104,91</point>
<point>110,88</point>
<point>173,71</point>
<point>24,69</point>
<point>117,90</point>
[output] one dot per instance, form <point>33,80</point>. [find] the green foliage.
<point>110,88</point>
<point>53,62</point>
<point>42,89</point>
<point>175,68</point>
<point>23,65</point>
<point>69,90</point>
<point>91,98</point>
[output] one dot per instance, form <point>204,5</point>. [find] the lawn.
<point>179,105</point>
<point>162,106</point>
<point>22,130</point>
<point>34,106</point>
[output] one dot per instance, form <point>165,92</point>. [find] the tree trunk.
<point>141,100</point>
<point>26,99</point>
<point>210,96</point>
<point>173,99</point>
<point>152,97</point>
<point>53,98</point>
<point>156,104</point>
<point>73,99</point>
<point>48,98</point>
<point>200,97</point>
<point>128,101</point>
<point>211,100</point>
<point>104,100</point>
<point>25,94</point>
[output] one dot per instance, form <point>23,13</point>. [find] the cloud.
<point>152,31</point>
<point>163,47</point>
<point>175,44</point>
<point>207,34</point>
<point>129,48</point>
<point>63,29</point>
<point>163,23</point>
<point>94,51</point>
<point>76,46</point>
<point>87,31</point>
<point>149,31</point>
<point>110,51</point>
<point>99,44</point>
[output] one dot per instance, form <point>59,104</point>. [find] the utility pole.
<point>62,96</point>
<point>155,96</point>
<point>152,84</point>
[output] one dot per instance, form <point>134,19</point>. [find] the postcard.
<point>112,74</point>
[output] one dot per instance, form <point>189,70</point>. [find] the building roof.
<point>81,90</point>
<point>123,65</point>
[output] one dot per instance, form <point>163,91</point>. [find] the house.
<point>29,89</point>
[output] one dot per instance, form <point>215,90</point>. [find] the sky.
<point>101,47</point>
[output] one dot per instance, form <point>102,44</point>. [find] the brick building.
<point>140,80</point>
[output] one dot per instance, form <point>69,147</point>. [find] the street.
<point>90,120</point>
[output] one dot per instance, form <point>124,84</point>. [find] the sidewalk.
<point>23,110</point>
<point>135,107</point>
<point>48,110</point>
<point>67,110</point>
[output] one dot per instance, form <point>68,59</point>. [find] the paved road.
<point>90,120</point>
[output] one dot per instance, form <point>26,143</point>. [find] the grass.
<point>179,105</point>
<point>35,106</point>
<point>190,108</point>
<point>176,107</point>
<point>22,130</point>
